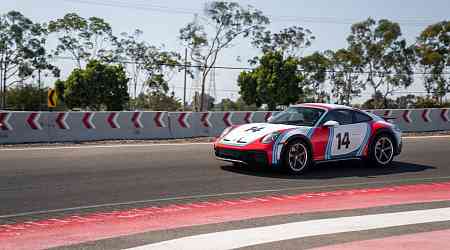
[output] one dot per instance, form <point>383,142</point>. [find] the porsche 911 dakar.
<point>305,134</point>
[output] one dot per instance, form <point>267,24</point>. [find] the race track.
<point>177,196</point>
<point>36,180</point>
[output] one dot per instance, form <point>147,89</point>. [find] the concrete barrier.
<point>24,127</point>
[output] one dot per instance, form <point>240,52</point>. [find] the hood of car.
<point>245,134</point>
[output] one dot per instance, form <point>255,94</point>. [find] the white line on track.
<point>217,195</point>
<point>260,235</point>
<point>32,148</point>
<point>106,146</point>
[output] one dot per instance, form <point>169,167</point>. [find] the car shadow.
<point>331,170</point>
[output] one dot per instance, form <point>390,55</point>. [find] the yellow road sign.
<point>52,98</point>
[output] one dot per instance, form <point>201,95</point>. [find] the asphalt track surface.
<point>48,182</point>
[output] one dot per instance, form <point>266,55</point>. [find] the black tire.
<point>300,166</point>
<point>382,142</point>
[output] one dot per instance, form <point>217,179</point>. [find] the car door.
<point>348,138</point>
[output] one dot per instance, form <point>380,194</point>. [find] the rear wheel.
<point>297,157</point>
<point>382,151</point>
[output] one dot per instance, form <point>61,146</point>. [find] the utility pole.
<point>185,79</point>
<point>39,89</point>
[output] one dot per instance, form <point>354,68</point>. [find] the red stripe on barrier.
<point>248,117</point>
<point>61,120</point>
<point>267,116</point>
<point>204,119</point>
<point>227,119</point>
<point>407,116</point>
<point>444,115</point>
<point>182,120</point>
<point>87,120</point>
<point>159,120</point>
<point>112,120</point>
<point>77,229</point>
<point>136,120</point>
<point>4,121</point>
<point>33,121</point>
<point>426,115</point>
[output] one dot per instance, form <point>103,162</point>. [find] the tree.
<point>83,39</point>
<point>433,50</point>
<point>314,70</point>
<point>289,41</point>
<point>227,21</point>
<point>27,98</point>
<point>345,69</point>
<point>22,50</point>
<point>276,81</point>
<point>157,101</point>
<point>98,86</point>
<point>387,59</point>
<point>149,66</point>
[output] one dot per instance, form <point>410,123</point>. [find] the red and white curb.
<point>77,229</point>
<point>295,230</point>
<point>33,121</point>
<point>4,121</point>
<point>87,120</point>
<point>61,120</point>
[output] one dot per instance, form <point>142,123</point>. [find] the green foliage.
<point>314,70</point>
<point>345,68</point>
<point>226,22</point>
<point>227,104</point>
<point>156,101</point>
<point>83,39</point>
<point>98,86</point>
<point>433,51</point>
<point>274,82</point>
<point>22,50</point>
<point>289,41</point>
<point>28,97</point>
<point>385,55</point>
<point>150,64</point>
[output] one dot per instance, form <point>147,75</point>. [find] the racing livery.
<point>309,133</point>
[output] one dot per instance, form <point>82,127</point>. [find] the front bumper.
<point>250,157</point>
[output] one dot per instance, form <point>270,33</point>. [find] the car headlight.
<point>270,138</point>
<point>226,131</point>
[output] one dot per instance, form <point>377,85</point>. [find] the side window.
<point>341,116</point>
<point>360,117</point>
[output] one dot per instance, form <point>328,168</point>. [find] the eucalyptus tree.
<point>221,24</point>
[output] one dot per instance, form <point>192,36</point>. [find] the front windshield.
<point>301,116</point>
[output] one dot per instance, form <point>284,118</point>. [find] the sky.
<point>161,21</point>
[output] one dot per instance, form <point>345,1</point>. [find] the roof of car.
<point>323,105</point>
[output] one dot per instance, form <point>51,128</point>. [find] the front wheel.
<point>297,157</point>
<point>382,151</point>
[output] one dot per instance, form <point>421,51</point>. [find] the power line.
<point>248,68</point>
<point>171,10</point>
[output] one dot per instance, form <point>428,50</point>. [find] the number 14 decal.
<point>343,140</point>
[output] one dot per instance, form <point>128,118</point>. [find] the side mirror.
<point>331,124</point>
